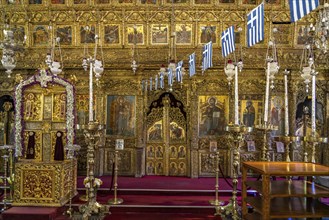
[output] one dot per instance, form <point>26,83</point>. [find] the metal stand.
<point>92,207</point>
<point>313,141</point>
<point>237,132</point>
<point>216,202</point>
<point>115,200</point>
<point>5,158</point>
<point>71,150</point>
<point>266,129</point>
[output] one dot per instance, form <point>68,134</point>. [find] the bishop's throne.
<point>44,131</point>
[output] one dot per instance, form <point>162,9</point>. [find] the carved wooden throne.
<point>44,126</point>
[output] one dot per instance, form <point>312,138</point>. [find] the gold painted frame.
<point>66,34</point>
<point>184,34</point>
<point>258,109</point>
<point>135,32</point>
<point>111,34</point>
<point>208,32</point>
<point>159,34</point>
<point>208,115</point>
<point>301,36</point>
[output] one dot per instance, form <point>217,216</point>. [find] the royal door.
<point>166,151</point>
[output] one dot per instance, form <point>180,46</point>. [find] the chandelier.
<point>307,68</point>
<point>53,64</point>
<point>272,60</point>
<point>9,46</point>
<point>320,30</point>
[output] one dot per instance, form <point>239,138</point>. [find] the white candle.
<point>313,103</point>
<point>91,116</point>
<point>267,93</point>
<point>286,112</point>
<point>236,97</point>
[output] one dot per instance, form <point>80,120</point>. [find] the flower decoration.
<point>96,182</point>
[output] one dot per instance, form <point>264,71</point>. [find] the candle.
<point>236,97</point>
<point>313,103</point>
<point>286,112</point>
<point>267,93</point>
<point>91,116</point>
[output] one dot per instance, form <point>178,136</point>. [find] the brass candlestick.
<point>71,153</point>
<point>216,202</point>
<point>237,133</point>
<point>287,140</point>
<point>266,130</point>
<point>5,158</point>
<point>115,200</point>
<point>92,207</point>
<point>313,141</point>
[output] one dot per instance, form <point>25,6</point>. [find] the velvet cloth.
<point>59,148</point>
<point>30,153</point>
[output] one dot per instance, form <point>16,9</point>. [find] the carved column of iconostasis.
<point>6,123</point>
<point>193,129</point>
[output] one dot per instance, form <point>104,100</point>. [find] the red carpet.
<point>150,197</point>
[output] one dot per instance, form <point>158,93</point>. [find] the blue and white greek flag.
<point>156,83</point>
<point>300,8</point>
<point>151,84</point>
<point>161,80</point>
<point>255,25</point>
<point>228,44</point>
<point>192,65</point>
<point>207,56</point>
<point>170,77</point>
<point>179,75</point>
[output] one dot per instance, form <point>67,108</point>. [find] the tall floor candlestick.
<point>236,97</point>
<point>286,112</point>
<point>267,93</point>
<point>313,103</point>
<point>91,115</point>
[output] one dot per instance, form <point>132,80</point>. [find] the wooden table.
<point>284,198</point>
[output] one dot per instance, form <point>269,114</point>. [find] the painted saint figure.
<point>213,118</point>
<point>249,114</point>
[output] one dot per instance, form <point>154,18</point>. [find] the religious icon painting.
<point>148,2</point>
<point>277,114</point>
<point>135,34</point>
<point>251,146</point>
<point>159,34</point>
<point>226,1</point>
<point>87,34</point>
<point>212,146</point>
<point>176,132</point>
<point>112,34</point>
<point>251,112</point>
<point>40,35</point>
<point>65,34</point>
<point>19,34</point>
<point>183,34</point>
<point>102,1</point>
<point>80,2</point>
<point>207,33</point>
<point>283,34</point>
<point>154,133</point>
<point>202,2</point>
<point>213,115</point>
<point>301,35</point>
<point>176,1</point>
<point>125,1</point>
<point>57,1</point>
<point>249,2</point>
<point>35,2</point>
<point>121,116</point>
